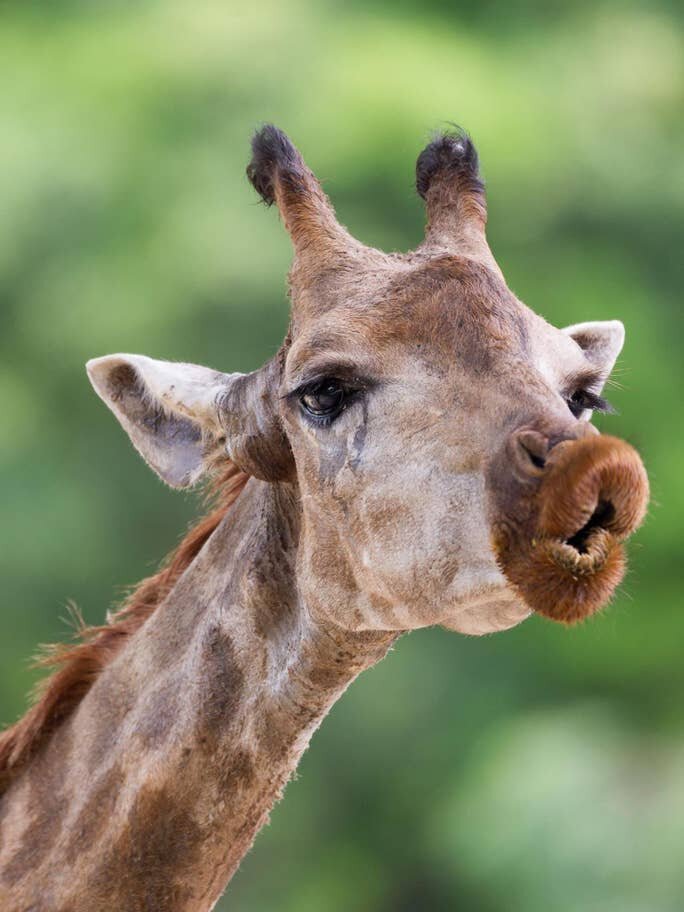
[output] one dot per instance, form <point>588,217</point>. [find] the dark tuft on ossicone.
<point>453,151</point>
<point>271,151</point>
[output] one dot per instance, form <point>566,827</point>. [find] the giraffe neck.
<point>150,794</point>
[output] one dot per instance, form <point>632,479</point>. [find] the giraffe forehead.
<point>443,308</point>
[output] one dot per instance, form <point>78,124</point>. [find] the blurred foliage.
<point>539,769</point>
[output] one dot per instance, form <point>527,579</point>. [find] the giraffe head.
<point>436,429</point>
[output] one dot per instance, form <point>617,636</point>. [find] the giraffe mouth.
<point>583,540</point>
<point>588,549</point>
<point>567,558</point>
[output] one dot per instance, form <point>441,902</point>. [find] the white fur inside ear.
<point>187,388</point>
<point>600,341</point>
<point>168,410</point>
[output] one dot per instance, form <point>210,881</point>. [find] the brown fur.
<point>78,665</point>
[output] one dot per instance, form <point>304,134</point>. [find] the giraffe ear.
<point>180,417</point>
<point>168,410</point>
<point>600,341</point>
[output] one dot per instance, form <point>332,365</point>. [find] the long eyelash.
<point>594,402</point>
<point>305,388</point>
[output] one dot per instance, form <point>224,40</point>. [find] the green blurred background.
<point>540,769</point>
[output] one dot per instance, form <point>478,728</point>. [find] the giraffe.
<point>419,452</point>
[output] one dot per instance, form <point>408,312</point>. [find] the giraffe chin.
<point>567,558</point>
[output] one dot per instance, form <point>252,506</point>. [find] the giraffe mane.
<point>76,665</point>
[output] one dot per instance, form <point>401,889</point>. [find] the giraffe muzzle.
<point>567,558</point>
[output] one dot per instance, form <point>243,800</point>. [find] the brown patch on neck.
<point>47,806</point>
<point>149,864</point>
<point>78,665</point>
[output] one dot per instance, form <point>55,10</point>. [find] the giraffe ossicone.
<point>418,452</point>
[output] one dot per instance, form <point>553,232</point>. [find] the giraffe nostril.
<point>531,450</point>
<point>536,460</point>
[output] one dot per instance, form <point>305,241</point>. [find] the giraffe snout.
<point>591,493</point>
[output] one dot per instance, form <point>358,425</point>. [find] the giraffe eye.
<point>324,400</point>
<point>583,400</point>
